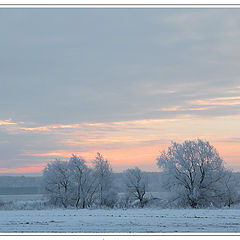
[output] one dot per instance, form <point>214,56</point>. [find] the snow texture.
<point>121,221</point>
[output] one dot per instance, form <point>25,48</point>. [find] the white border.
<point>118,4</point>
<point>2,5</point>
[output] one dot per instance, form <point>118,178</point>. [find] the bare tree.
<point>193,172</point>
<point>56,179</point>
<point>83,182</point>
<point>229,188</point>
<point>70,183</point>
<point>103,172</point>
<point>136,184</point>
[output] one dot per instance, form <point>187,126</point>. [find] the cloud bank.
<point>122,81</point>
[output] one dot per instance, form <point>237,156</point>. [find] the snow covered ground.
<point>124,221</point>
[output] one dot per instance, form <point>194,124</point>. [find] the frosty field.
<point>121,221</point>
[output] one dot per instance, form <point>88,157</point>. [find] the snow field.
<point>121,221</point>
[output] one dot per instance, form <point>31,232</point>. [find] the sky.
<point>122,82</point>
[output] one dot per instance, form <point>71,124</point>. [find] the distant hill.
<point>11,185</point>
<point>22,181</point>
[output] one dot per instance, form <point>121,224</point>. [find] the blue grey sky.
<point>82,66</point>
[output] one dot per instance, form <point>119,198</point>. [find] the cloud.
<point>80,85</point>
<point>59,153</point>
<point>219,101</point>
<point>51,127</point>
<point>178,108</point>
<point>89,79</point>
<point>60,126</point>
<point>7,122</point>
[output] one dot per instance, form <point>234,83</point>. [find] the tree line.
<point>193,173</point>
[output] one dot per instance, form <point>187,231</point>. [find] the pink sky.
<point>128,144</point>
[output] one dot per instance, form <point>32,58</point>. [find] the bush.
<point>25,205</point>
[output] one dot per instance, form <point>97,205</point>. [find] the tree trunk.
<point>77,202</point>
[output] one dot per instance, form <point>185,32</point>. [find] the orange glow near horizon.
<point>127,144</point>
<point>32,169</point>
<point>229,151</point>
<point>123,158</point>
<point>120,159</point>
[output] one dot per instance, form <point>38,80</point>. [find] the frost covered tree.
<point>193,172</point>
<point>230,193</point>
<point>136,184</point>
<point>83,181</point>
<point>57,182</point>
<point>70,183</point>
<point>103,172</point>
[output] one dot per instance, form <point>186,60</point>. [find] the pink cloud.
<point>27,169</point>
<point>220,101</point>
<point>178,108</point>
<point>7,122</point>
<point>51,127</point>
